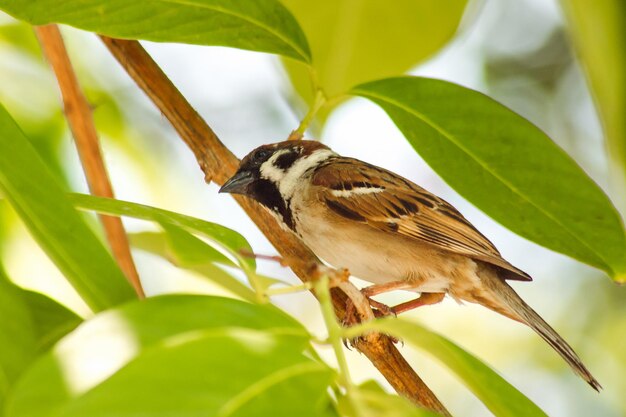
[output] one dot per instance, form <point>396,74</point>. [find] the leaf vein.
<point>248,19</point>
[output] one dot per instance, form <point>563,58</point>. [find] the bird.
<point>388,231</point>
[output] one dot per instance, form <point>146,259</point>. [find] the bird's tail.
<point>511,305</point>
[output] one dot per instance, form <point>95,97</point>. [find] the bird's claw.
<point>351,317</point>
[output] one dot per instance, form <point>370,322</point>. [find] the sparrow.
<point>388,231</point>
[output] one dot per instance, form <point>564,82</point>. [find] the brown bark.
<point>79,117</point>
<point>218,164</point>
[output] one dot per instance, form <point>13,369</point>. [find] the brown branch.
<point>79,117</point>
<point>218,164</point>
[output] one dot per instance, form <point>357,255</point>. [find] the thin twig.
<point>79,117</point>
<point>318,103</point>
<point>218,164</point>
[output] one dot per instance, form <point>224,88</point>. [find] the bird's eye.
<point>261,154</point>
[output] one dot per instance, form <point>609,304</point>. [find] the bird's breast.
<point>373,255</point>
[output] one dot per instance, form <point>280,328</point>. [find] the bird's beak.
<point>238,183</point>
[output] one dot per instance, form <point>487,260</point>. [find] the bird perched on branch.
<point>386,230</point>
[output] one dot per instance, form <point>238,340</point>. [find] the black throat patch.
<point>266,193</point>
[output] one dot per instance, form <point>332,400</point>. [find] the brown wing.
<point>372,195</point>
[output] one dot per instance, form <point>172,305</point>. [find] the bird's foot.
<point>379,309</point>
<point>351,316</point>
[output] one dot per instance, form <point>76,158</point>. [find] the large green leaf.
<point>41,203</point>
<point>599,35</point>
<point>507,167</point>
<point>181,356</point>
<point>357,41</point>
<point>213,373</point>
<point>258,25</point>
<point>220,236</point>
<point>498,395</point>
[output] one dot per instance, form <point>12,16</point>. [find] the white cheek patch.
<point>271,172</point>
<point>357,191</point>
<point>287,181</point>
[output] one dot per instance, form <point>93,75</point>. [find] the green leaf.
<point>191,251</point>
<point>221,236</point>
<point>51,320</point>
<point>502,399</point>
<point>358,41</point>
<point>22,36</point>
<point>158,244</point>
<point>506,166</point>
<point>30,323</point>
<point>17,338</point>
<point>604,24</point>
<point>259,25</point>
<point>41,203</point>
<point>375,402</point>
<point>178,355</point>
<point>282,381</point>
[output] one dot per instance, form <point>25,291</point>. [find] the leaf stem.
<point>289,289</point>
<point>335,335</point>
<point>359,330</point>
<point>253,279</point>
<point>318,102</point>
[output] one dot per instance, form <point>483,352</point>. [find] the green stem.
<point>288,290</point>
<point>359,330</point>
<point>334,100</point>
<point>318,102</point>
<point>335,334</point>
<point>254,281</point>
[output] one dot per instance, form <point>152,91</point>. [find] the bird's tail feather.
<point>514,307</point>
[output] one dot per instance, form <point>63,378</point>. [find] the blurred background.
<point>516,51</point>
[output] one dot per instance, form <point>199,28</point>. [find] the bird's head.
<point>271,174</point>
